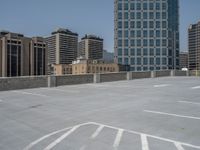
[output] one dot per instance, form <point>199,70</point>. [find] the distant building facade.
<point>62,46</point>
<point>194,46</point>
<point>85,66</point>
<point>147,34</point>
<point>91,47</point>
<point>108,57</point>
<point>38,56</point>
<point>183,60</point>
<point>18,57</point>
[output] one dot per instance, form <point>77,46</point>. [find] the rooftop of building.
<point>92,37</point>
<point>163,112</point>
<point>64,31</point>
<point>12,34</point>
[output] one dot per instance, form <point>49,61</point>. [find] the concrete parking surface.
<point>146,114</point>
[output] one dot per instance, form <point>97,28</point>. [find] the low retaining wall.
<point>74,79</point>
<point>22,83</point>
<point>180,73</point>
<point>109,77</point>
<point>53,81</point>
<point>162,73</point>
<point>140,75</point>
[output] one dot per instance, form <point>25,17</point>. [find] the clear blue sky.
<point>41,17</point>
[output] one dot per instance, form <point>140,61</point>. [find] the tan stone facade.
<point>62,69</point>
<point>85,67</point>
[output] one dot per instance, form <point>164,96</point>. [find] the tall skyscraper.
<point>147,34</point>
<point>62,46</point>
<point>194,46</point>
<point>91,47</point>
<point>18,57</point>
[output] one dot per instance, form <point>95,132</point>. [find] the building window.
<point>126,52</point>
<point>139,61</point>
<point>132,61</point>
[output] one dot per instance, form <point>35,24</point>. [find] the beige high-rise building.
<point>183,56</point>
<point>194,46</point>
<point>91,47</point>
<point>17,56</point>
<point>62,46</point>
<point>38,56</point>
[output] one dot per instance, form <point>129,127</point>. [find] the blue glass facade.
<point>147,34</point>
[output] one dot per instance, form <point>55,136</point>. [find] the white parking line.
<point>61,90</point>
<point>60,139</point>
<point>161,85</point>
<point>118,138</point>
<point>48,135</point>
<point>144,137</point>
<point>188,102</point>
<point>83,147</point>
<point>169,114</point>
<point>179,146</point>
<point>96,133</point>
<point>145,144</point>
<point>195,87</point>
<point>28,93</point>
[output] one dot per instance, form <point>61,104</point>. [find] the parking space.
<point>146,114</point>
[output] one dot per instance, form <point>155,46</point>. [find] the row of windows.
<point>142,15</point>
<point>144,42</point>
<point>139,33</point>
<point>143,61</point>
<point>151,68</point>
<point>140,6</point>
<point>142,24</point>
<point>142,52</point>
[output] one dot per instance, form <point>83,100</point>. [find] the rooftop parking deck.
<point>144,114</point>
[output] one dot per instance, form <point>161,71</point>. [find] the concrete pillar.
<point>187,73</point>
<point>153,74</point>
<point>51,81</point>
<point>172,73</point>
<point>129,76</point>
<point>97,78</point>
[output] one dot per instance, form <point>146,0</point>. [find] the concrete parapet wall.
<point>194,73</point>
<point>15,83</point>
<point>74,79</point>
<point>140,75</point>
<point>180,73</point>
<point>22,83</point>
<point>162,73</point>
<point>109,77</point>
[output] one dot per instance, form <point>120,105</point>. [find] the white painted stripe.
<point>118,138</point>
<point>148,135</point>
<point>145,144</point>
<point>179,146</point>
<point>169,114</point>
<point>61,90</point>
<point>188,102</point>
<point>83,147</point>
<point>96,133</point>
<point>60,139</point>
<point>49,135</point>
<point>28,93</point>
<point>161,85</point>
<point>195,87</point>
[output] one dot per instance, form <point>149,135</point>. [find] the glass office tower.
<point>147,34</point>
